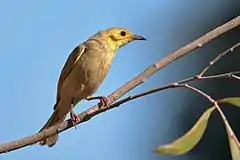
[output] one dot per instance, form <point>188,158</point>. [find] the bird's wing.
<point>72,60</point>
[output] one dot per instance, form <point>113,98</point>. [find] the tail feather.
<point>56,118</point>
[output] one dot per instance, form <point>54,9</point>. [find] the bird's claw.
<point>74,118</point>
<point>103,100</point>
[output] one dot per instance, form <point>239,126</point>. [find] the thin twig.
<point>168,86</point>
<point>195,90</point>
<point>237,77</point>
<point>211,63</point>
<point>225,75</point>
<point>88,114</point>
<point>217,76</point>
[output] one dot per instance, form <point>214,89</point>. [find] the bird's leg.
<point>74,118</point>
<point>103,100</point>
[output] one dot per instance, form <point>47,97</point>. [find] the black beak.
<point>136,37</point>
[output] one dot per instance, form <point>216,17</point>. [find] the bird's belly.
<point>85,78</point>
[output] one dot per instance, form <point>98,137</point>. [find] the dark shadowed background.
<point>36,38</point>
<point>188,106</point>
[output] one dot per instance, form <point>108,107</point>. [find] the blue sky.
<point>36,38</point>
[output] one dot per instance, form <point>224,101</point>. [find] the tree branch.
<point>95,110</point>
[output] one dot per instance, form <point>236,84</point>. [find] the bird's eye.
<point>122,33</point>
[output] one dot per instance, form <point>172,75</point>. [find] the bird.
<point>83,72</point>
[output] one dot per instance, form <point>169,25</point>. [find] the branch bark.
<point>95,110</point>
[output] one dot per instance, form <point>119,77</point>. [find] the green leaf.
<point>234,144</point>
<point>188,140</point>
<point>232,100</point>
<point>234,147</point>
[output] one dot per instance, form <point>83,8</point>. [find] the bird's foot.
<point>74,118</point>
<point>103,100</point>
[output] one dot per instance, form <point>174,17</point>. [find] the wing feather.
<point>72,60</point>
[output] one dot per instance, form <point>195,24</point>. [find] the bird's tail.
<point>57,117</point>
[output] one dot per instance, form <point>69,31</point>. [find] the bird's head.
<point>118,37</point>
